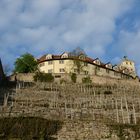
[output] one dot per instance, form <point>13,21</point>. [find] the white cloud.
<point>39,26</point>
<point>129,44</point>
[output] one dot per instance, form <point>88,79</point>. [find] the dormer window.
<point>82,56</point>
<point>64,55</point>
<point>108,66</point>
<point>49,56</point>
<point>126,71</point>
<point>115,68</point>
<point>97,61</point>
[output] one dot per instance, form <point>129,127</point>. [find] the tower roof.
<point>125,58</point>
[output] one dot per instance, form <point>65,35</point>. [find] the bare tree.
<point>77,51</point>
<point>7,69</point>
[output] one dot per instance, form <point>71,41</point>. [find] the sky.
<point>108,29</point>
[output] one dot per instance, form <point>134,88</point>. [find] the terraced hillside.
<point>88,112</point>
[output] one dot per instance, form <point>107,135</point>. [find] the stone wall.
<point>91,130</point>
<point>84,130</point>
<point>59,78</point>
<point>26,77</point>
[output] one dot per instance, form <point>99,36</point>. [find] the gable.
<point>49,56</point>
<point>116,68</point>
<point>108,65</point>
<point>97,61</point>
<point>64,55</point>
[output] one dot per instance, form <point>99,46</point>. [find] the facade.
<point>83,65</point>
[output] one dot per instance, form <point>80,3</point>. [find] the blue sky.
<point>108,29</point>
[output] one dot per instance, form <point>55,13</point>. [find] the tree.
<point>86,80</point>
<point>78,65</point>
<point>79,56</point>
<point>7,69</point>
<point>73,77</point>
<point>77,51</point>
<point>25,64</point>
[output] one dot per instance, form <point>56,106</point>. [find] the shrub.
<point>73,77</point>
<point>43,77</point>
<point>63,81</point>
<point>86,80</point>
<point>28,128</point>
<point>108,92</point>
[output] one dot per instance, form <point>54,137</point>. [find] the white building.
<point>66,64</point>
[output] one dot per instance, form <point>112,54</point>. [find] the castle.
<point>81,64</point>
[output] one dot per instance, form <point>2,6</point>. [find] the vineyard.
<point>89,107</point>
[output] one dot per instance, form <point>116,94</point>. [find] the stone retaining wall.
<point>28,77</point>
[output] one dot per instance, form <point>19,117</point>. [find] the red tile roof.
<point>43,58</point>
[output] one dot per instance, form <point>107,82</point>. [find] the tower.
<point>129,65</point>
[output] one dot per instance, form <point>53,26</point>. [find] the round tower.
<point>129,65</point>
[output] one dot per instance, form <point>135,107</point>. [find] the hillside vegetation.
<point>28,128</point>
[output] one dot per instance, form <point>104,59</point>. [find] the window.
<point>98,68</point>
<point>109,66</point>
<point>115,73</point>
<point>85,64</point>
<point>75,70</point>
<point>50,71</point>
<point>57,76</point>
<point>97,62</point>
<point>49,56</point>
<point>41,64</point>
<point>130,63</point>
<point>86,72</point>
<point>49,62</point>
<point>75,62</point>
<point>115,68</point>
<point>127,63</point>
<point>107,70</point>
<point>61,70</point>
<point>65,55</point>
<point>61,61</point>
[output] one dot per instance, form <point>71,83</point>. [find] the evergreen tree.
<point>25,64</point>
